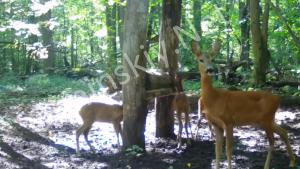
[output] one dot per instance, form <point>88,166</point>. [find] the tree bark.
<point>228,30</point>
<point>168,61</point>
<point>153,11</point>
<point>134,93</point>
<point>197,5</point>
<point>259,42</point>
<point>31,40</point>
<point>111,36</point>
<point>120,23</point>
<point>245,32</point>
<point>47,38</point>
<point>73,58</point>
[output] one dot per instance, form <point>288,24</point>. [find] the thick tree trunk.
<point>245,31</point>
<point>47,38</point>
<point>259,42</point>
<point>134,93</point>
<point>168,61</point>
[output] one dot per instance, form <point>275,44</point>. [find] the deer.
<point>180,105</point>
<point>227,109</point>
<point>99,112</point>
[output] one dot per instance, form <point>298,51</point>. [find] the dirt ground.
<point>42,135</point>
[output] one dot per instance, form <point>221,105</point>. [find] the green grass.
<point>54,85</point>
<point>14,90</point>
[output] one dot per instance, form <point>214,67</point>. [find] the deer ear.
<point>196,49</point>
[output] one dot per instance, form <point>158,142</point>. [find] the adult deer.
<point>100,112</point>
<point>227,109</point>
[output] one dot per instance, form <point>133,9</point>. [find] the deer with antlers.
<point>227,109</point>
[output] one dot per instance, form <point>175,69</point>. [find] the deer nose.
<point>210,70</point>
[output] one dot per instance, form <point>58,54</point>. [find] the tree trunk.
<point>168,61</point>
<point>73,61</point>
<point>111,36</point>
<point>183,12</point>
<point>228,31</point>
<point>134,93</point>
<point>120,10</point>
<point>259,43</point>
<point>30,54</point>
<point>265,27</point>
<point>245,32</point>
<point>47,38</point>
<point>153,11</point>
<point>197,5</point>
<point>92,44</point>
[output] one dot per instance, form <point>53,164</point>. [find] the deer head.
<point>204,59</point>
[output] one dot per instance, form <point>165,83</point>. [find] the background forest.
<point>83,38</point>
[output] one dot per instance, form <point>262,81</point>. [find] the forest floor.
<point>42,135</point>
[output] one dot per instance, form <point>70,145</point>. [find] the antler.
<point>196,48</point>
<point>215,48</point>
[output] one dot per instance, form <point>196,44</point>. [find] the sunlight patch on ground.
<point>223,163</point>
<point>245,134</point>
<point>150,127</point>
<point>282,116</point>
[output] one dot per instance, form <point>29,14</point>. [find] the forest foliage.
<point>78,38</point>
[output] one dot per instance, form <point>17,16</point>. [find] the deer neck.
<point>206,84</point>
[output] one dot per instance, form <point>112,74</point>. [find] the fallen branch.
<point>284,83</point>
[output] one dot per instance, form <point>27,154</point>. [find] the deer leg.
<point>78,133</point>
<point>186,126</point>
<point>270,135</point>
<point>85,133</point>
<point>229,141</point>
<point>219,143</point>
<point>199,120</point>
<point>210,129</point>
<point>179,130</point>
<point>284,136</point>
<point>118,130</point>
